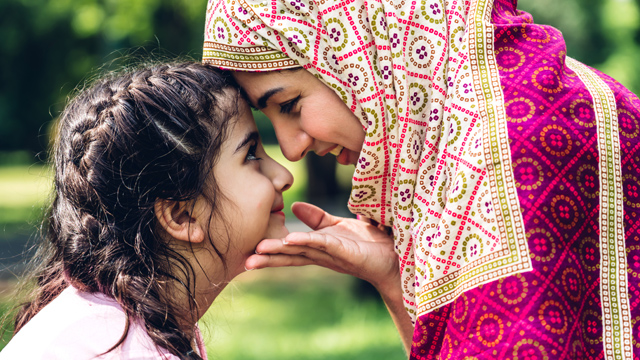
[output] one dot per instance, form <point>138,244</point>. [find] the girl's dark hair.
<point>128,140</point>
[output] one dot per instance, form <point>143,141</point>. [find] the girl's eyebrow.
<point>252,136</point>
<point>262,100</point>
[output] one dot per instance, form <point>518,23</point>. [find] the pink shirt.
<point>80,325</point>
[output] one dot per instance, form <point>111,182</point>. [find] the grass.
<point>24,190</point>
<point>307,313</point>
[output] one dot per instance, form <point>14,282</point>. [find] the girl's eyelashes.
<point>252,152</point>
<point>286,107</point>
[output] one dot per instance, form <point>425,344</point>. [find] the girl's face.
<point>251,184</point>
<point>306,114</point>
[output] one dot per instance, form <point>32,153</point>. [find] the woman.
<point>507,171</point>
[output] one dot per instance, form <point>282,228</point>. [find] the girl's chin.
<point>276,232</point>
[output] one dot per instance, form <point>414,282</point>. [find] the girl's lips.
<point>347,157</point>
<point>279,212</point>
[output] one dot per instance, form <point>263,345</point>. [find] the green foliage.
<point>290,314</point>
<point>49,46</point>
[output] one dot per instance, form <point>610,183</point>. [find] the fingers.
<point>278,260</point>
<point>313,216</point>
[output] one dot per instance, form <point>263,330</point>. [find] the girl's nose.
<point>281,178</point>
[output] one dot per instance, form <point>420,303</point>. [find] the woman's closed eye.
<point>287,107</point>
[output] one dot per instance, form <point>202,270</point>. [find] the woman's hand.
<point>348,246</point>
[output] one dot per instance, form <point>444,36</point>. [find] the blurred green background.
<point>48,47</point>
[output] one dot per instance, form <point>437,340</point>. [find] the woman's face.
<point>306,114</point>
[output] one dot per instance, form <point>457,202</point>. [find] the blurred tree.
<point>49,46</point>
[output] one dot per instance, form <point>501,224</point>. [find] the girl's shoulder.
<point>80,325</point>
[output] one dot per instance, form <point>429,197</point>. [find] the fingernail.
<point>284,241</point>
<point>245,268</point>
<point>258,252</point>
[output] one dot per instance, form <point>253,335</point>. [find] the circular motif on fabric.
<point>553,317</point>
<point>220,31</point>
<point>356,77</point>
<point>337,34</point>
<point>472,247</point>
<point>433,12</point>
<point>421,333</point>
<point>446,351</point>
<point>475,145</point>
<point>427,178</point>
<point>591,326</point>
<point>628,124</point>
<point>490,330</point>
<point>635,325</point>
<point>395,40</point>
<point>535,34</point>
<point>564,211</point>
<point>541,246</point>
<point>581,111</point>
<point>587,177</point>
<point>547,79</point>
<point>464,89</point>
<point>578,350</point>
<point>458,189</point>
<point>556,140</point>
<point>298,38</point>
<point>509,59</point>
<point>372,125</point>
<point>589,249</point>
<point>422,52</point>
<point>362,193</point>
<point>405,193</point>
<point>520,110</point>
<point>485,207</point>
<point>384,70</point>
<point>633,261</point>
<point>528,173</point>
<point>417,98</point>
<point>330,60</point>
<point>512,289</point>
<point>299,8</point>
<point>455,129</point>
<point>379,24</point>
<point>572,283</point>
<point>527,349</point>
<point>460,309</point>
<point>368,163</point>
<point>457,38</point>
<point>415,148</point>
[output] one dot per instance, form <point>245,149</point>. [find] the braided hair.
<point>123,143</point>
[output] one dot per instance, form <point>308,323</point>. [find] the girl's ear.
<point>180,219</point>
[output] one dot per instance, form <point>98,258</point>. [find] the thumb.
<point>313,216</point>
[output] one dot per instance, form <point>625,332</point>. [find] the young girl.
<point>162,191</point>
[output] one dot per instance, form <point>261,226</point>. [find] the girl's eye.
<point>289,105</point>
<point>251,154</point>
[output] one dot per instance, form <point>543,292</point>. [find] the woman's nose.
<point>294,145</point>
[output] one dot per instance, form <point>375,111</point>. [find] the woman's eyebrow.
<point>262,100</point>
<point>252,136</point>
